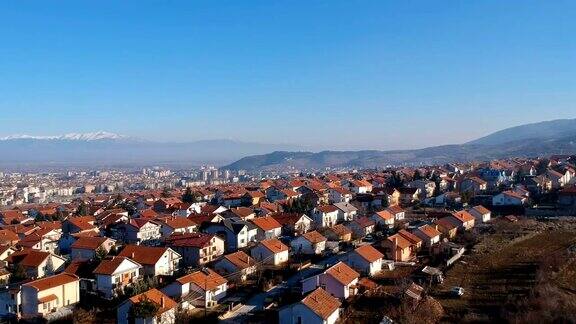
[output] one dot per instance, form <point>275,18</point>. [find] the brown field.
<point>509,270</point>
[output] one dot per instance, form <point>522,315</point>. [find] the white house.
<point>200,288</point>
<point>481,213</point>
<point>429,235</point>
<point>236,266</point>
<point>155,261</point>
<point>319,307</point>
<point>338,194</point>
<point>508,198</point>
<point>339,281</point>
<point>115,273</point>
<point>166,313</point>
<point>325,216</point>
<point>43,296</point>
<point>346,211</point>
<point>309,243</point>
<point>366,259</point>
<point>270,251</point>
<point>267,227</point>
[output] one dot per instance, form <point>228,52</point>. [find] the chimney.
<point>132,255</point>
<point>162,301</point>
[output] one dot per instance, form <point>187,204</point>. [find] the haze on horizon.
<point>324,74</point>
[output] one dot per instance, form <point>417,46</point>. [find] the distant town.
<point>454,242</point>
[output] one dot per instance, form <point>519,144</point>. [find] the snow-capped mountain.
<point>101,135</point>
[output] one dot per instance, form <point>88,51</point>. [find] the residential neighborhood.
<point>292,248</point>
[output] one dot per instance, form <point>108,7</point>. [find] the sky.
<point>325,74</point>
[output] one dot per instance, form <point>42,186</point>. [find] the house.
<point>409,195</point>
<point>366,259</point>
<point>473,185</point>
<point>140,231</point>
<point>167,204</point>
<point>239,213</point>
<point>325,216</point>
<point>166,313</point>
<point>413,239</point>
<point>346,211</point>
<point>481,213</point>
<point>309,243</point>
<point>196,249</point>
<point>558,179</point>
<point>464,220</point>
<point>155,261</point>
<point>362,226</point>
<point>174,224</point>
<point>339,233</point>
<point>339,281</point>
<point>398,248</point>
<point>397,211</point>
<point>36,264</point>
<point>509,198</point>
<point>236,266</point>
<point>319,307</point>
<point>6,251</point>
<point>79,224</point>
<point>446,227</point>
<point>429,235</point>
<point>393,196</point>
<point>47,295</point>
<point>237,233</point>
<point>270,251</point>
<point>203,288</point>
<point>114,274</point>
<point>383,219</point>
<point>293,223</point>
<point>426,187</point>
<point>267,227</point>
<point>252,198</point>
<point>7,237</point>
<point>359,186</point>
<point>339,194</point>
<point>89,247</point>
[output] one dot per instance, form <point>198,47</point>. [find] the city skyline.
<point>334,76</point>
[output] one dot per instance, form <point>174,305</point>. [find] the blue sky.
<point>330,74</point>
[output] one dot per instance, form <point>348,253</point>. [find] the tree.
<point>188,196</point>
<point>18,274</point>
<point>385,203</point>
<point>417,175</point>
<point>101,253</point>
<point>82,210</point>
<point>166,192</point>
<point>144,308</point>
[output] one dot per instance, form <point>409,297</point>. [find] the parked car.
<point>457,291</point>
<point>368,238</point>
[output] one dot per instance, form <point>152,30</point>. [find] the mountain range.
<point>545,138</point>
<point>104,148</point>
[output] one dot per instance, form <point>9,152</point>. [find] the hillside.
<point>431,155</point>
<point>554,129</point>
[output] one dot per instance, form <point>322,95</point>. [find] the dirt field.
<point>501,273</point>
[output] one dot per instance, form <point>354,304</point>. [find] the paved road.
<point>256,302</point>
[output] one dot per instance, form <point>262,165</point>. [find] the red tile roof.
<point>369,253</point>
<point>146,255</point>
<point>321,303</point>
<point>52,281</point>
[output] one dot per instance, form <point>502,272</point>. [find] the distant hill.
<point>106,148</point>
<point>555,129</point>
<point>555,137</point>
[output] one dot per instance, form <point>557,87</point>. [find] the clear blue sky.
<point>339,74</point>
